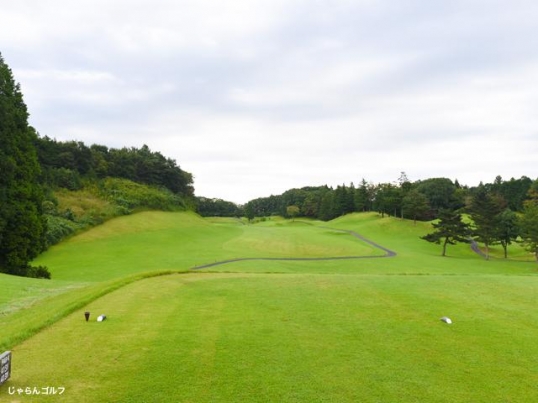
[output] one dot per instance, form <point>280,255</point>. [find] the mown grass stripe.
<point>25,323</point>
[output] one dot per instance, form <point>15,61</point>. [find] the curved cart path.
<point>388,253</point>
<point>476,249</point>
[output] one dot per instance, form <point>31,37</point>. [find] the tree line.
<point>419,200</point>
<point>64,164</point>
<point>492,222</point>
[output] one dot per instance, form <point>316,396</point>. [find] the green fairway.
<point>171,241</point>
<point>366,329</point>
<point>230,337</point>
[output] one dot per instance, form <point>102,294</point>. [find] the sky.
<point>257,97</point>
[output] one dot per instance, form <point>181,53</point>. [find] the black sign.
<point>5,366</point>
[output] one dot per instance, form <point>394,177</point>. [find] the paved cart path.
<point>388,253</point>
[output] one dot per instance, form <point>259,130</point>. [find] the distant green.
<point>171,241</point>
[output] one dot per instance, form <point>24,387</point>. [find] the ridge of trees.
<point>64,164</point>
<point>35,170</point>
<point>419,200</point>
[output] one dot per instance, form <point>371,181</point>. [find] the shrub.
<point>58,228</point>
<point>37,272</point>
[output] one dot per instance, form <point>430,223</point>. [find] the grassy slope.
<point>20,292</point>
<point>138,243</point>
<point>364,330</point>
<point>420,257</point>
<point>170,241</point>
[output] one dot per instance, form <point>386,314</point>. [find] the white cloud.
<point>254,97</point>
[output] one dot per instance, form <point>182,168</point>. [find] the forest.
<point>65,164</point>
<point>419,200</point>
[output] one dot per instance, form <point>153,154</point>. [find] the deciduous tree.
<point>507,229</point>
<point>292,211</point>
<point>415,205</point>
<point>528,226</point>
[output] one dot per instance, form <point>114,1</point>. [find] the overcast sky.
<point>255,97</point>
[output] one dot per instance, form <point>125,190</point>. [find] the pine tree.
<point>484,211</point>
<point>449,230</point>
<point>22,225</point>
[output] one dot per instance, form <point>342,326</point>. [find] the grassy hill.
<point>72,211</point>
<point>364,329</point>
